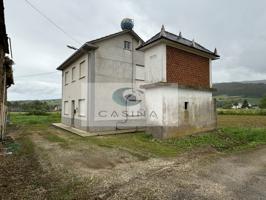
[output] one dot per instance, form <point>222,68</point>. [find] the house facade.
<point>121,82</point>
<point>6,75</point>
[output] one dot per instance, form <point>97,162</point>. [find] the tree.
<point>245,104</point>
<point>263,102</point>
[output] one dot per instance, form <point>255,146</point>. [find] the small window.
<point>66,78</point>
<point>82,69</point>
<point>186,105</point>
<point>82,107</point>
<point>74,74</point>
<point>127,45</point>
<point>66,108</point>
<point>140,72</point>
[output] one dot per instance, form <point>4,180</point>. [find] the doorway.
<point>73,112</point>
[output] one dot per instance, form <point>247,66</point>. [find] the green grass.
<point>242,111</point>
<point>223,140</point>
<point>25,119</point>
<point>232,135</point>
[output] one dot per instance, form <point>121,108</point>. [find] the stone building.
<point>120,82</point>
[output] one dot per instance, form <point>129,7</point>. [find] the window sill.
<point>82,77</point>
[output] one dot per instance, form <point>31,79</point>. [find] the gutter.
<point>83,49</point>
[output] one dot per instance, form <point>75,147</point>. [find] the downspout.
<point>132,86</point>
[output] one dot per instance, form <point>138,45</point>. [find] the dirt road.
<point>86,171</point>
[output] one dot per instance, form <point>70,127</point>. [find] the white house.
<point>121,82</point>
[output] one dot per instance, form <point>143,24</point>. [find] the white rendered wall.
<point>75,90</point>
<point>113,70</point>
<point>169,105</point>
<point>155,64</point>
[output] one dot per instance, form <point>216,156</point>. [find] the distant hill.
<point>249,89</point>
<point>258,81</point>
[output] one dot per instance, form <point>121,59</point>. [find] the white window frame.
<point>73,78</point>
<point>127,45</point>
<point>138,79</point>
<point>83,114</point>
<point>82,75</point>
<point>66,108</point>
<point>66,77</point>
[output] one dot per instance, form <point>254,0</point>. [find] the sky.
<point>236,28</point>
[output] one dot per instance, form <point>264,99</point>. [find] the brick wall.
<point>186,68</point>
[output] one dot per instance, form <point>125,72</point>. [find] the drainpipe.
<point>132,86</point>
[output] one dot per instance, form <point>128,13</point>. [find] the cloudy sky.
<point>237,28</point>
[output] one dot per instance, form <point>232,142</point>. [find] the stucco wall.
<point>113,70</point>
<point>155,64</point>
<point>168,103</point>
<point>75,90</point>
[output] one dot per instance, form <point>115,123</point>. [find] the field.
<point>52,164</point>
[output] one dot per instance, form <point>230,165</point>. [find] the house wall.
<point>155,64</point>
<point>168,117</point>
<point>186,68</point>
<point>74,91</point>
<point>114,68</point>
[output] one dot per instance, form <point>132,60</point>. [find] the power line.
<point>51,21</point>
<point>40,74</point>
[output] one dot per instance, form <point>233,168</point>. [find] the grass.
<point>23,119</point>
<point>235,132</point>
<point>254,112</point>
<point>241,121</point>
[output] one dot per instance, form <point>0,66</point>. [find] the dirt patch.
<point>66,169</point>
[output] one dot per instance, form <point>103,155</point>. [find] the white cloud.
<point>236,28</point>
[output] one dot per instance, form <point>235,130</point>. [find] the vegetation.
<point>235,133</point>
<point>241,111</point>
<point>245,90</point>
<point>245,104</point>
<point>263,102</point>
<point>34,107</point>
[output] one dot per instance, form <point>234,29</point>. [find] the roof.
<point>92,45</point>
<point>117,34</point>
<point>3,35</point>
<point>179,40</point>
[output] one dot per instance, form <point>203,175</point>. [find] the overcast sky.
<point>237,28</point>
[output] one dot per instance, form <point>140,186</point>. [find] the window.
<point>82,69</point>
<point>127,45</point>
<point>82,107</point>
<point>140,72</point>
<point>74,74</point>
<point>66,78</point>
<point>186,105</point>
<point>66,108</point>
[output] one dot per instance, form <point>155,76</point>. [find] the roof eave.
<point>117,34</point>
<point>156,41</point>
<point>84,49</point>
